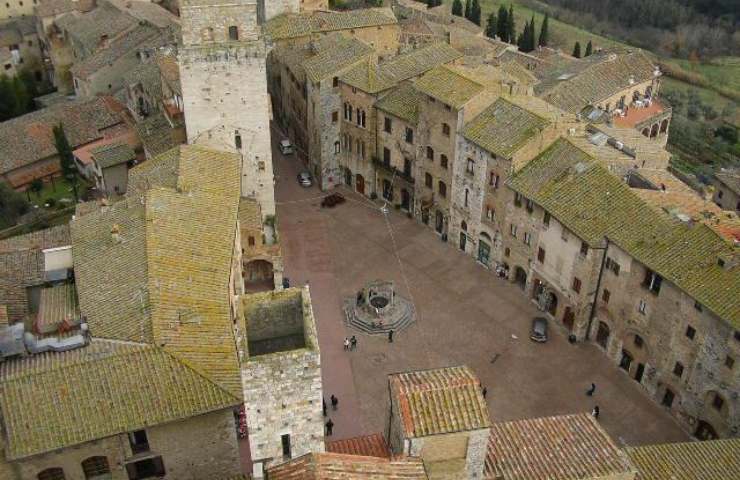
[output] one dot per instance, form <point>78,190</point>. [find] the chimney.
<point>115,233</point>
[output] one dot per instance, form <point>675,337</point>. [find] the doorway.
<point>484,252</point>
<point>439,222</point>
<point>463,241</point>
<point>405,200</point>
<point>569,318</point>
<point>360,184</point>
<point>520,277</point>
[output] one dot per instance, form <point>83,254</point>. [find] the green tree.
<point>475,12</point>
<point>543,32</point>
<point>589,48</point>
<point>7,99</point>
<point>511,25</point>
<point>532,35</point>
<point>523,38</point>
<point>577,50</point>
<point>457,8</point>
<point>468,8</point>
<point>12,205</point>
<point>36,186</point>
<point>66,160</point>
<point>502,24</point>
<point>491,25</point>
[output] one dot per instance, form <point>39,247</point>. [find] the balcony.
<point>393,170</point>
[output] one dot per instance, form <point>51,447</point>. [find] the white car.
<point>304,179</point>
<point>286,148</point>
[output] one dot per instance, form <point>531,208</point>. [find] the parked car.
<point>539,329</point>
<point>330,201</point>
<point>286,148</point>
<point>304,179</point>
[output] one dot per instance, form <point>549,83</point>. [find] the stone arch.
<point>654,131</point>
<point>93,467</point>
<point>259,275</point>
<point>664,126</point>
<point>485,236</point>
<point>646,131</point>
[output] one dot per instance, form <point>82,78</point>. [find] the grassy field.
<point>57,190</point>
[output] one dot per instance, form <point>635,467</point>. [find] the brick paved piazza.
<point>465,316</point>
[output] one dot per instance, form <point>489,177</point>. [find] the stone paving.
<point>465,315</point>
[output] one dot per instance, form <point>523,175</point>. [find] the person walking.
<point>323,401</point>
<point>353,342</point>
<point>329,428</point>
<point>595,412</point>
<point>334,402</point>
<point>346,344</point>
<point>590,391</point>
<point>390,336</point>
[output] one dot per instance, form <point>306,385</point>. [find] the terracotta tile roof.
<point>29,138</point>
<point>444,400</point>
<point>568,447</point>
<point>732,180</point>
<point>373,445</point>
<point>594,204</point>
<point>504,127</point>
<point>336,466</point>
<point>86,30</point>
<point>57,304</point>
<point>152,273</point>
<point>595,79</point>
<point>403,102</point>
<point>160,171</point>
<point>448,86</point>
<point>155,133</point>
<point>40,239</point>
<point>19,269</point>
<point>708,460</point>
<point>300,24</point>
<point>53,400</point>
<point>334,54</point>
<point>372,79</point>
<point>147,75</point>
<point>113,154</point>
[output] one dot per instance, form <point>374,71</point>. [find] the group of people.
<point>334,404</point>
<point>590,392</point>
<point>350,343</point>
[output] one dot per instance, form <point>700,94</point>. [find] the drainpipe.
<point>596,293</point>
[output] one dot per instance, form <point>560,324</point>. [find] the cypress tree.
<point>66,160</point>
<point>475,12</point>
<point>502,24</point>
<point>531,37</point>
<point>491,25</point>
<point>457,8</point>
<point>543,32</point>
<point>468,8</point>
<point>523,38</point>
<point>589,48</point>
<point>577,50</point>
<point>23,98</point>
<point>7,99</point>
<point>510,24</point>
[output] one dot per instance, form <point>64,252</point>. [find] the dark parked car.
<point>539,329</point>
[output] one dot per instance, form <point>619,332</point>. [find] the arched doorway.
<point>360,183</point>
<point>484,249</point>
<point>520,277</point>
<point>439,221</point>
<point>258,276</point>
<point>405,200</point>
<point>664,126</point>
<point>602,335</point>
<point>705,431</point>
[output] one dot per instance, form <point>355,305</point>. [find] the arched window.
<point>93,467</point>
<point>233,33</point>
<point>430,153</point>
<point>51,474</point>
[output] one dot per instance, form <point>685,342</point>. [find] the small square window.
<point>335,82</point>
<point>584,248</point>
<point>729,362</point>
<point>387,124</point>
<point>690,332</point>
<point>546,219</point>
<point>334,117</point>
<point>678,369</point>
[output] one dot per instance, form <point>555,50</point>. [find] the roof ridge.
<point>185,363</point>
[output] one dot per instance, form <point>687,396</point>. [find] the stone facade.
<point>358,133</point>
<point>282,377</point>
<point>221,109</point>
<point>195,448</point>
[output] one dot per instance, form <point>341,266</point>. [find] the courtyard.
<point>464,315</point>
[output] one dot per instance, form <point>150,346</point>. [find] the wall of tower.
<point>224,89</point>
<point>207,24</point>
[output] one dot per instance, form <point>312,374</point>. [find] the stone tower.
<point>224,86</point>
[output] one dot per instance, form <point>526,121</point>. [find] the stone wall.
<point>195,448</point>
<point>278,315</point>
<point>224,111</point>
<point>358,161</point>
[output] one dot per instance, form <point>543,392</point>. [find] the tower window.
<point>233,33</point>
<point>238,141</point>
